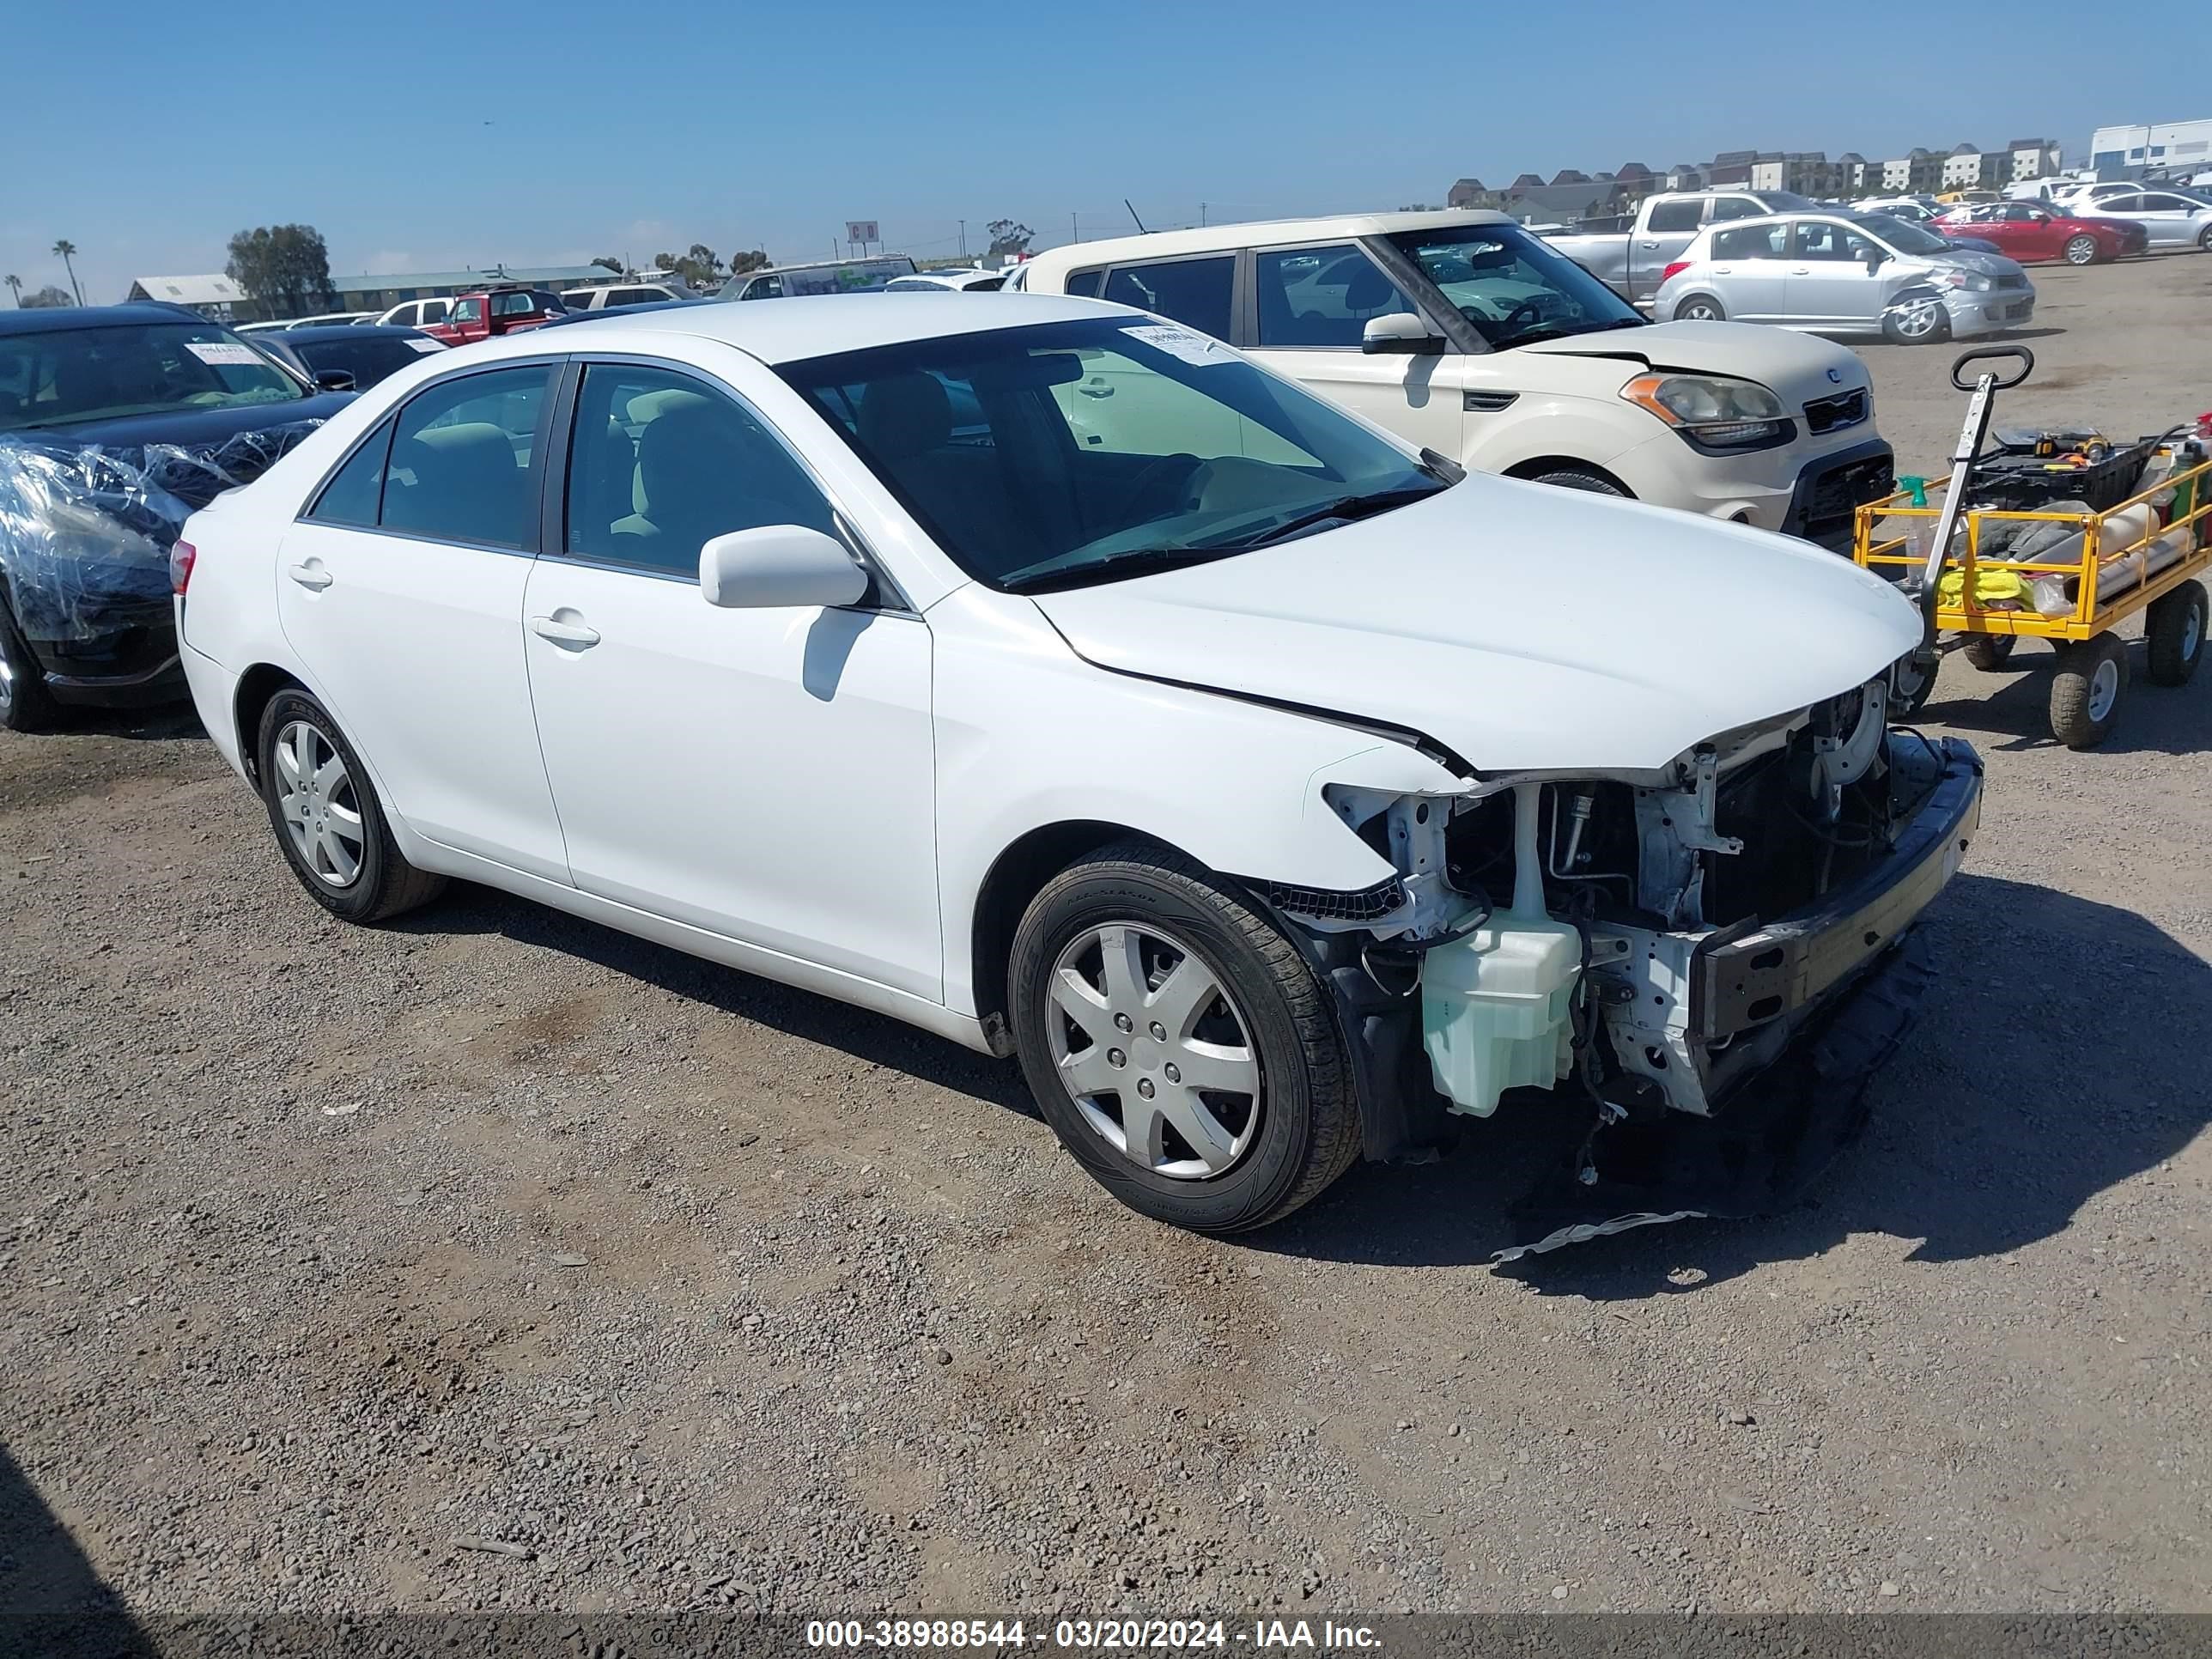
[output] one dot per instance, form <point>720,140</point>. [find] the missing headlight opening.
<point>1651,947</point>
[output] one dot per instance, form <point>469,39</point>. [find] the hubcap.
<point>2103,689</point>
<point>2082,250</point>
<point>2192,633</point>
<point>1920,320</point>
<point>7,684</point>
<point>1702,313</point>
<point>316,801</point>
<point>1153,1051</point>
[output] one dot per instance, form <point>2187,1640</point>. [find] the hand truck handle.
<point>2027,365</point>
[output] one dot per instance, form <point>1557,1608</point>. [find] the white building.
<point>215,297</point>
<point>1913,174</point>
<point>2123,152</point>
<point>2032,158</point>
<point>1967,167</point>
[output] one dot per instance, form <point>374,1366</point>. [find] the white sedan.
<point>1057,680</point>
<point>2170,219</point>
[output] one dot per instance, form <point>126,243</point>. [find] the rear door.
<point>1751,267</point>
<point>402,589</point>
<point>1312,304</point>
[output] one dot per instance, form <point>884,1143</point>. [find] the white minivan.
<point>1466,334</point>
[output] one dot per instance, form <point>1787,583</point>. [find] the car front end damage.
<point>1713,959</point>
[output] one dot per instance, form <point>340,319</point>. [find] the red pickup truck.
<point>496,311</point>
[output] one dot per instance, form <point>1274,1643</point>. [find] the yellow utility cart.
<point>1987,576</point>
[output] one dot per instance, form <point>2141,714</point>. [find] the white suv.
<point>1465,334</point>
<point>417,313</point>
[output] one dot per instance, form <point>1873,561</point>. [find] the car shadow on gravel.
<point>2012,706</point>
<point>52,1601</point>
<point>875,1038</point>
<point>2055,1060</point>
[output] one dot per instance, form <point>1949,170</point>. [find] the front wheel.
<point>1924,324</point>
<point>2082,251</point>
<point>25,705</point>
<point>2173,629</point>
<point>1178,1044</point>
<point>327,818</point>
<point>1577,478</point>
<point>2204,239</point>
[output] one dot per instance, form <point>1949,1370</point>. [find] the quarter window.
<point>351,495</point>
<point>661,465</point>
<point>1322,296</point>
<point>463,460</point>
<point>1194,292</point>
<point>1086,282</point>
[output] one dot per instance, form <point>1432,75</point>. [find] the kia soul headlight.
<point>1714,409</point>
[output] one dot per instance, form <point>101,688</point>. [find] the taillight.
<point>182,556</point>
<point>1674,269</point>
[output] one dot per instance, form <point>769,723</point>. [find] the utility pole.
<point>1201,216</point>
<point>963,241</point>
<point>1074,229</point>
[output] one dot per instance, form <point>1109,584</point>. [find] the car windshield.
<point>1903,238</point>
<point>1061,454</point>
<point>62,376</point>
<point>1514,288</point>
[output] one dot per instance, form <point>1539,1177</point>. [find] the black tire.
<point>1910,695</point>
<point>2083,251</point>
<point>1894,330</point>
<point>1715,312</point>
<point>2076,692</point>
<point>1300,1129</point>
<point>1989,652</point>
<point>383,885</point>
<point>25,705</point>
<point>2174,628</point>
<point>1577,478</point>
<point>2204,239</point>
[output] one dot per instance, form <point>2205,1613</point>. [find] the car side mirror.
<point>779,565</point>
<point>1401,333</point>
<point>334,380</point>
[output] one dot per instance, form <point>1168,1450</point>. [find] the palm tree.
<point>62,250</point>
<point>15,287</point>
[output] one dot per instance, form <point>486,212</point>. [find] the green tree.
<point>45,299</point>
<point>15,287</point>
<point>1008,239</point>
<point>286,268</point>
<point>756,259</point>
<point>608,262</point>
<point>702,267</point>
<point>65,250</point>
<point>1418,207</point>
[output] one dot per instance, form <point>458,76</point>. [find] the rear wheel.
<point>25,705</point>
<point>327,818</point>
<point>1577,477</point>
<point>1701,309</point>
<point>2174,630</point>
<point>2082,251</point>
<point>1178,1044</point>
<point>2204,239</point>
<point>2087,691</point>
<point>1989,652</point>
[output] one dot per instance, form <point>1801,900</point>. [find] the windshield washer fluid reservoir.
<point>1495,1005</point>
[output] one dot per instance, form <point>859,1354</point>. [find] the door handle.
<point>1650,245</point>
<point>1096,391</point>
<point>312,574</point>
<point>1800,270</point>
<point>574,634</point>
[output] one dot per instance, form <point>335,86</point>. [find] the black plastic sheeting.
<point>85,533</point>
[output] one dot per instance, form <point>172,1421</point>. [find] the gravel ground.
<point>328,1256</point>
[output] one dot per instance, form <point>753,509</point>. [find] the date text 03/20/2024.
<point>1326,1636</point>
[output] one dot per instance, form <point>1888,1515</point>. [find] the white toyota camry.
<point>1056,679</point>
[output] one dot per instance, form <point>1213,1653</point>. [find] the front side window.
<point>1322,296</point>
<point>1194,292</point>
<point>1677,216</point>
<point>1750,242</point>
<point>59,377</point>
<point>662,464</point>
<point>1514,288</point>
<point>1831,243</point>
<point>463,459</point>
<point>1065,453</point>
<point>467,311</point>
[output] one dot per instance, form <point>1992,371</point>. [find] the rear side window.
<point>1677,216</point>
<point>351,495</point>
<point>1750,242</point>
<point>434,311</point>
<point>1192,291</point>
<point>513,304</point>
<point>463,466</point>
<point>1738,206</point>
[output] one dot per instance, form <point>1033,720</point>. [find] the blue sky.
<point>422,138</point>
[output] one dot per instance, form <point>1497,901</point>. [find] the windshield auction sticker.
<point>219,351</point>
<point>1180,342</point>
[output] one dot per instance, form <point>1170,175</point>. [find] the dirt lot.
<point>321,1248</point>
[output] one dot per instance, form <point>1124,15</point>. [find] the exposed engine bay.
<point>1655,946</point>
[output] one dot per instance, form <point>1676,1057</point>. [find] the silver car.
<point>2170,218</point>
<point>1842,273</point>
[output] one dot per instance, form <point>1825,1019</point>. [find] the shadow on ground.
<point>2013,706</point>
<point>52,1603</point>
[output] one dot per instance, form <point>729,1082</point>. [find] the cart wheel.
<point>1989,652</point>
<point>1912,683</point>
<point>2086,692</point>
<point>2174,630</point>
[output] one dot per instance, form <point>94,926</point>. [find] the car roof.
<point>351,332</point>
<point>1258,233</point>
<point>821,326</point>
<point>44,320</point>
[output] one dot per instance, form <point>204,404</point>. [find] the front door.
<point>1313,305</point>
<point>765,775</point>
<point>1833,280</point>
<point>418,553</point>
